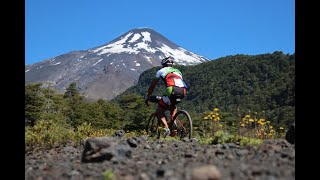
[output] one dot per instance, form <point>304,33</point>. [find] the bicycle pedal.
<point>174,132</point>
<point>174,123</point>
<point>167,132</point>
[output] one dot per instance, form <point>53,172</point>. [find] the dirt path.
<point>167,160</point>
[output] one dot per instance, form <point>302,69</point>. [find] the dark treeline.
<point>237,84</point>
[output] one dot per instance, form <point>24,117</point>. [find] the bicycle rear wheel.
<point>152,127</point>
<point>183,124</point>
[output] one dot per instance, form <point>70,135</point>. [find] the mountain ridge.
<point>107,70</point>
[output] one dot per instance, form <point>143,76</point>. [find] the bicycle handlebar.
<point>152,98</point>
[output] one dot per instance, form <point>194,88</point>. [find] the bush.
<point>244,141</point>
<point>221,137</point>
<point>47,133</point>
<point>108,174</point>
<point>205,140</point>
<point>85,130</point>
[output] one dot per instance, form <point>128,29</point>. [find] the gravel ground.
<point>139,158</point>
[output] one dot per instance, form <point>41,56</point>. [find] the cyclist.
<point>175,90</point>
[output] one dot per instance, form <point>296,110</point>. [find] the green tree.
<point>34,102</point>
<point>114,115</point>
<point>76,107</point>
<point>262,82</point>
<point>72,91</point>
<point>135,111</point>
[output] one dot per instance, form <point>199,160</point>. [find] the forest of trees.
<point>238,84</point>
<point>258,83</point>
<point>43,103</point>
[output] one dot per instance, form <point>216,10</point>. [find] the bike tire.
<point>152,127</point>
<point>183,124</point>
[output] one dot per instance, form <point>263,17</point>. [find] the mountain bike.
<point>180,124</point>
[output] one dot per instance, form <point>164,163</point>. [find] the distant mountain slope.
<point>107,70</point>
<point>259,83</point>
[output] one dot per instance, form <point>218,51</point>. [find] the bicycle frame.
<point>179,127</point>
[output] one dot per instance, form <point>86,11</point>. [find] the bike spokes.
<point>181,130</point>
<point>183,124</point>
<point>152,128</point>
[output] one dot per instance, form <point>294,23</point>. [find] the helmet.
<point>168,61</point>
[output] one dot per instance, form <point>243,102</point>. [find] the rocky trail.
<point>139,158</point>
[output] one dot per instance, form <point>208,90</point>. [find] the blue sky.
<point>211,28</point>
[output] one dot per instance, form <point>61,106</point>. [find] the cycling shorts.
<point>170,96</point>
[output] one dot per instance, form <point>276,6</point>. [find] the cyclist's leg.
<point>166,101</point>
<point>173,111</point>
<point>178,93</point>
<point>160,114</point>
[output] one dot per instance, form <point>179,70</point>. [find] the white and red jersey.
<point>171,77</point>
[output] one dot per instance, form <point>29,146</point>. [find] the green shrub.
<point>130,134</point>
<point>47,133</point>
<point>108,174</point>
<point>85,130</point>
<point>205,140</point>
<point>245,141</point>
<point>221,137</point>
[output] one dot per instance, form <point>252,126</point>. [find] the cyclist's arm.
<point>152,86</point>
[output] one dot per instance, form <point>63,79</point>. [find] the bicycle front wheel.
<point>152,127</point>
<point>183,124</point>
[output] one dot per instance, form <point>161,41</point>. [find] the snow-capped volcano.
<point>146,40</point>
<point>108,70</point>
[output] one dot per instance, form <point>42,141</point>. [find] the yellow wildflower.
<point>262,123</point>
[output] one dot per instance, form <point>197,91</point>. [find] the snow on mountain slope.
<point>108,70</point>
